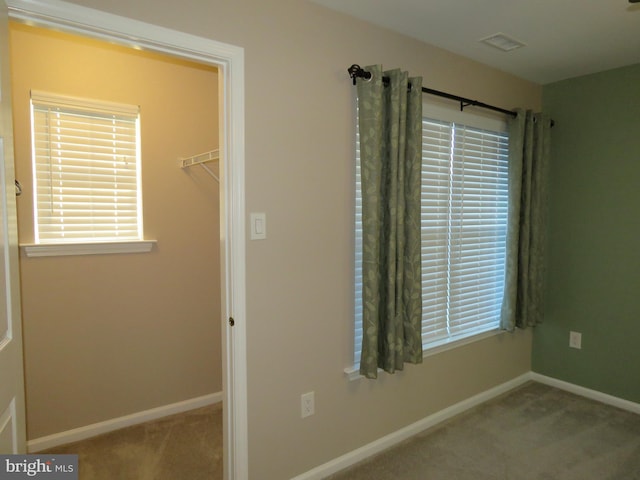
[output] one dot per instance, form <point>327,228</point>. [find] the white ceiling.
<point>564,38</point>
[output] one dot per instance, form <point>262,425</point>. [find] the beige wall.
<point>111,335</point>
<point>299,170</point>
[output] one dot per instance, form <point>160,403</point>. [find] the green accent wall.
<point>593,261</point>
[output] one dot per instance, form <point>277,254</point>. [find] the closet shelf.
<point>205,157</point>
<point>201,159</point>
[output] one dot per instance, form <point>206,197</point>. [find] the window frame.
<point>441,111</point>
<point>45,104</point>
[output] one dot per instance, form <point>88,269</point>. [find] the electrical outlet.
<point>575,340</point>
<point>307,404</point>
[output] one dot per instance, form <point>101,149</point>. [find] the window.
<point>86,170</point>
<point>464,225</point>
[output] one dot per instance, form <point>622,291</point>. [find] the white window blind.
<point>464,220</point>
<point>358,255</point>
<point>86,164</point>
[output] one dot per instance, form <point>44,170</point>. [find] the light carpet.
<point>534,432</point>
<point>183,446</point>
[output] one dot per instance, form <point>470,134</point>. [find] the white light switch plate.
<point>258,226</point>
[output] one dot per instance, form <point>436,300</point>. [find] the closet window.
<point>86,170</point>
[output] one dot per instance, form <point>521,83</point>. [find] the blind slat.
<point>464,204</point>
<point>86,169</point>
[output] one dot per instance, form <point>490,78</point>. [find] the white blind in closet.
<point>86,164</point>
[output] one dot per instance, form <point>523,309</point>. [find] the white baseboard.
<point>88,431</point>
<point>394,438</point>
<point>587,392</point>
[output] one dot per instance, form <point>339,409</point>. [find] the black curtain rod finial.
<point>356,71</point>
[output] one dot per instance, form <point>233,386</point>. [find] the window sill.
<point>353,373</point>
<point>102,248</point>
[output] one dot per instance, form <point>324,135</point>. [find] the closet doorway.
<point>210,56</point>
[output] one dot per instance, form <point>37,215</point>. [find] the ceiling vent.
<point>502,42</point>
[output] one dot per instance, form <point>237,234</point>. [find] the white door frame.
<point>230,60</point>
<point>12,412</point>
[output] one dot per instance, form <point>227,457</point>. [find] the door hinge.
<point>232,322</point>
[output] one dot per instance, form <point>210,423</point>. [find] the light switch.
<point>258,226</point>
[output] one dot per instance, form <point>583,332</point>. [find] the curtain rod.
<point>355,71</point>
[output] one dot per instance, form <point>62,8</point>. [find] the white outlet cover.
<point>307,404</point>
<point>575,340</point>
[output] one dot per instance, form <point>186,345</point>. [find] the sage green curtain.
<point>390,122</point>
<point>529,140</point>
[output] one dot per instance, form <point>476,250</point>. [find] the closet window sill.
<point>101,248</point>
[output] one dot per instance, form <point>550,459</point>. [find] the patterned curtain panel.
<point>390,122</point>
<point>529,140</point>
